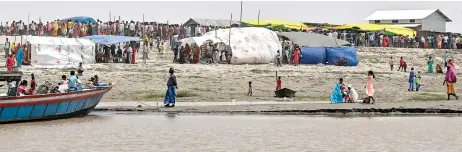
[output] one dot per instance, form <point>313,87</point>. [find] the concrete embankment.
<point>289,108</point>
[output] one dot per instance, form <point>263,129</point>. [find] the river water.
<point>111,132</point>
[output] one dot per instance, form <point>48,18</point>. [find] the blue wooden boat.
<point>15,108</point>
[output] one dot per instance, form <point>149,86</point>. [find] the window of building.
<point>377,21</point>
<point>412,21</point>
<point>394,21</point>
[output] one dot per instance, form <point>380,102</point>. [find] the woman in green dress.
<point>430,64</point>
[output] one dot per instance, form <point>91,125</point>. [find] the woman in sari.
<point>450,80</point>
<point>370,86</point>
<point>133,57</point>
<point>196,54</point>
<point>10,63</point>
<point>337,95</point>
<point>438,41</point>
<point>430,64</point>
<point>19,57</point>
<point>170,96</point>
<point>296,56</point>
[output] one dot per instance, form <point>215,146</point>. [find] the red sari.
<point>385,42</point>
<point>10,63</point>
<point>196,55</point>
<point>279,85</point>
<point>133,55</point>
<point>296,56</point>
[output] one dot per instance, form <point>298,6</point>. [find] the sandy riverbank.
<point>288,108</point>
<point>229,82</point>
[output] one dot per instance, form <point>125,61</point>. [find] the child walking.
<point>250,89</point>
<point>417,81</point>
<point>411,80</point>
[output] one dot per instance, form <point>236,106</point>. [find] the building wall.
<point>434,22</point>
<point>417,21</point>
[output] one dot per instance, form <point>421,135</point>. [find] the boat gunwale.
<point>102,91</point>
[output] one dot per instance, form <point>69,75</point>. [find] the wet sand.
<point>225,83</point>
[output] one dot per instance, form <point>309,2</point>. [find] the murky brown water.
<point>109,132</point>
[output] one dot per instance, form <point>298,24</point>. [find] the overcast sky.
<point>179,12</point>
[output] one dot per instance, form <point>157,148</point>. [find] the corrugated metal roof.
<point>404,14</point>
<point>213,22</point>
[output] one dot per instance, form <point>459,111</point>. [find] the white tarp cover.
<point>250,45</point>
<point>61,52</point>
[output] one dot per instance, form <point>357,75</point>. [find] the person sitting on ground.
<point>337,93</point>
<point>352,95</point>
<point>22,88</point>
<point>438,68</point>
<point>80,69</point>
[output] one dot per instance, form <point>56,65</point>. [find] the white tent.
<point>250,45</point>
<point>61,52</point>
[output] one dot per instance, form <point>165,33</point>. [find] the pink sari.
<point>370,86</point>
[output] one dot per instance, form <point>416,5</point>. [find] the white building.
<point>420,20</point>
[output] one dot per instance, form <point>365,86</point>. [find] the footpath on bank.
<point>287,107</point>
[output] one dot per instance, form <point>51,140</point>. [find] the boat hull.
<point>50,106</point>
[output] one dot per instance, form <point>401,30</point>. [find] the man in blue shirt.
<point>73,82</point>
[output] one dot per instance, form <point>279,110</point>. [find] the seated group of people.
<point>342,94</point>
<point>22,89</point>
<point>73,83</point>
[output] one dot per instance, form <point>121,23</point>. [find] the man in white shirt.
<point>129,54</point>
<point>131,27</point>
<point>391,63</point>
<point>335,35</point>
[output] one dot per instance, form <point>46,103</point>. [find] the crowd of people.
<point>75,29</point>
<point>377,39</point>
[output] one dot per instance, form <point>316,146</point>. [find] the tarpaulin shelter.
<point>209,22</point>
<point>386,29</point>
<point>329,55</point>
<point>278,24</point>
<point>60,52</point>
<point>80,19</point>
<point>313,39</point>
<point>249,45</point>
<point>111,39</point>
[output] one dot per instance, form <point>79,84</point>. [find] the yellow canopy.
<point>379,27</point>
<point>291,25</point>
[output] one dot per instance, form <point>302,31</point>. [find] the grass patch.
<point>427,96</point>
<point>155,95</point>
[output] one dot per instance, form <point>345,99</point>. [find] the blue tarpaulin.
<point>79,19</point>
<point>329,55</point>
<point>313,55</point>
<point>347,54</point>
<point>111,39</point>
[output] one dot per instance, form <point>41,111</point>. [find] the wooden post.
<point>258,19</point>
<point>145,54</point>
<point>240,19</point>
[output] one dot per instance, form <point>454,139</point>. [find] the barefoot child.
<point>250,89</point>
<point>417,81</point>
<point>411,80</point>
